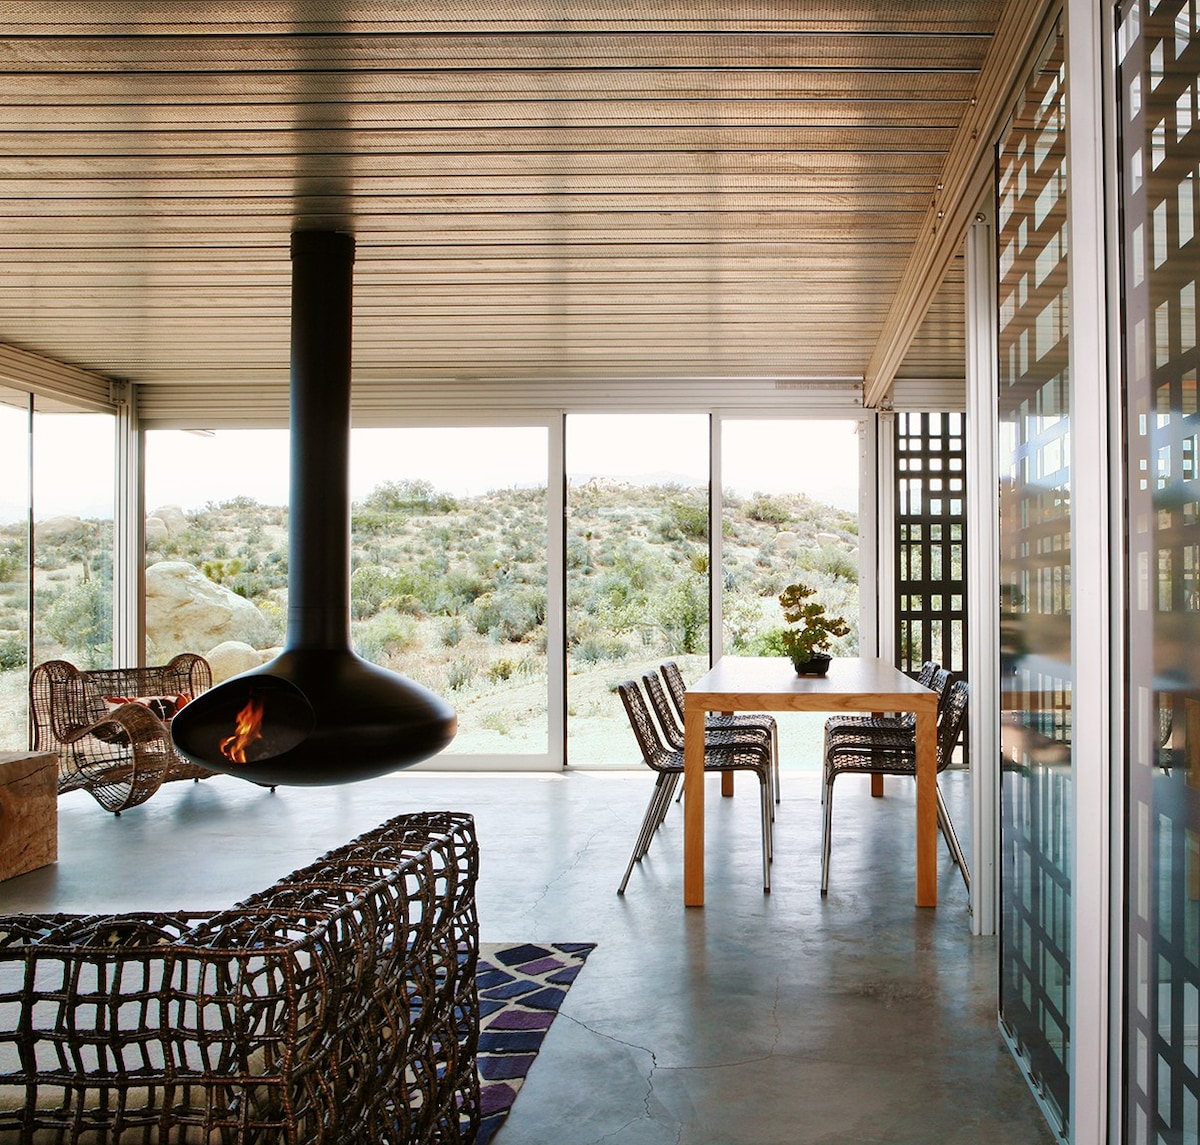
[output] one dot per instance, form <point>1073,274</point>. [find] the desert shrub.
<point>768,510</point>
<point>685,516</point>
<point>511,614</point>
<point>13,651</point>
<point>835,562</point>
<point>502,669</point>
<point>595,649</point>
<point>579,553</point>
<point>387,633</point>
<point>456,590</point>
<point>767,643</point>
<point>741,617</point>
<point>408,498</point>
<point>14,558</point>
<point>80,619</point>
<point>373,587</point>
<point>451,633</point>
<point>682,611</point>
<point>459,674</point>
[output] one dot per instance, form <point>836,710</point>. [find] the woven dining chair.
<point>895,754</point>
<point>667,763</point>
<point>759,721</point>
<point>846,722</point>
<point>749,736</point>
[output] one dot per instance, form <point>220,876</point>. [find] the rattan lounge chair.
<point>114,747</point>
<point>668,766</point>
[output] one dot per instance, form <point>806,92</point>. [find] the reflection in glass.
<point>1159,66</point>
<point>1035,576</point>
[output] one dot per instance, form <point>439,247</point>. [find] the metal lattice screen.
<point>931,616</point>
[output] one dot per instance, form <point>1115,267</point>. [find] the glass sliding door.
<point>73,496</point>
<point>789,513</point>
<point>450,580</point>
<point>15,570</point>
<point>450,536</point>
<point>1035,576</point>
<point>1159,164</point>
<point>216,545</point>
<point>637,556</point>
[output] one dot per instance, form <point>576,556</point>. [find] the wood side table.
<point>28,811</point>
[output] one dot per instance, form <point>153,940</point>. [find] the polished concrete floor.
<point>781,1019</point>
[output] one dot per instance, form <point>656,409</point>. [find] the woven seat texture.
<point>337,1007</point>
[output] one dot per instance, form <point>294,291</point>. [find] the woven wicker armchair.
<point>336,1007</point>
<point>120,752</point>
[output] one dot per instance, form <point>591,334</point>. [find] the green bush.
<point>385,634</point>
<point>80,619</point>
<point>14,652</point>
<point>511,614</point>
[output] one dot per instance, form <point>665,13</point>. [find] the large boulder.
<point>232,657</point>
<point>58,530</point>
<point>169,517</point>
<point>187,612</point>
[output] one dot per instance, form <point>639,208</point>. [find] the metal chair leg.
<point>951,837</point>
<point>660,800</point>
<point>827,832</point>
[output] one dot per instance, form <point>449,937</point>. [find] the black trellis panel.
<point>931,540</point>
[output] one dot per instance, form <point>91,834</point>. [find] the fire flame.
<point>248,727</point>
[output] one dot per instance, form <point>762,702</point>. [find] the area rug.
<point>521,986</point>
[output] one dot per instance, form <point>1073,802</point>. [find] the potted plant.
<point>811,632</point>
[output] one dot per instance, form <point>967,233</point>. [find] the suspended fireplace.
<point>317,713</point>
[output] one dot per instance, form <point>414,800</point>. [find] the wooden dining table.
<point>771,684</point>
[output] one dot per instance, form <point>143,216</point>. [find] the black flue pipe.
<point>328,716</point>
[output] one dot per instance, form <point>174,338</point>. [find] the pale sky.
<point>73,463</point>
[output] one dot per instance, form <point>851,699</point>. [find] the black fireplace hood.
<point>317,713</point>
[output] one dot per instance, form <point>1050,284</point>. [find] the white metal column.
<point>1095,678</point>
<point>983,574</point>
<point>129,523</point>
<point>881,478</point>
<point>872,542</point>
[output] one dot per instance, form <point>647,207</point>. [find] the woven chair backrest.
<point>63,697</point>
<point>671,731</point>
<point>676,688</point>
<point>952,714</point>
<point>653,751</point>
<point>926,675</point>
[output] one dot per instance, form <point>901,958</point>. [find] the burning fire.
<point>248,727</point>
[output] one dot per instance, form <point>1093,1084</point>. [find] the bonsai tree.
<point>811,631</point>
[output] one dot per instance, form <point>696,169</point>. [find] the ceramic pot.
<point>816,665</point>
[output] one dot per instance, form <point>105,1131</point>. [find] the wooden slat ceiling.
<point>590,190</point>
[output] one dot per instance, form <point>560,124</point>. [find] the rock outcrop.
<point>187,612</point>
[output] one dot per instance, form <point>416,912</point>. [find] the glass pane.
<point>1035,575</point>
<point>450,573</point>
<point>789,509</point>
<point>1160,59</point>
<point>74,487</point>
<point>14,570</point>
<point>216,546</point>
<point>637,566</point>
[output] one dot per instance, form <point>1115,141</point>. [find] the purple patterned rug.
<point>521,987</point>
